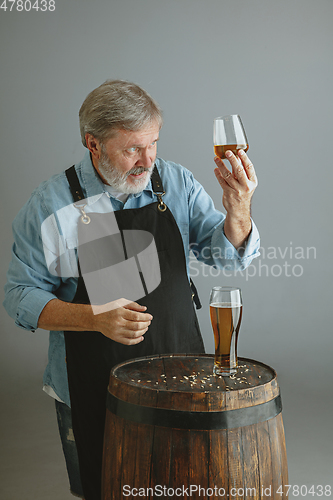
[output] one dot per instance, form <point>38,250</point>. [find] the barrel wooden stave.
<point>251,472</point>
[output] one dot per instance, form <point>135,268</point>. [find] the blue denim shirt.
<point>45,228</point>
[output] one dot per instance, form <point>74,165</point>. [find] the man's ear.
<point>93,145</point>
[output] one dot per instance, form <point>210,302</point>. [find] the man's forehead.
<point>135,137</point>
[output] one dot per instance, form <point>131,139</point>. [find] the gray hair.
<point>114,105</point>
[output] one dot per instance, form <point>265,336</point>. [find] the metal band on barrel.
<point>179,419</point>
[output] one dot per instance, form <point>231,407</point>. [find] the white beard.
<point>119,181</point>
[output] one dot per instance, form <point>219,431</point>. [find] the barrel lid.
<point>190,373</point>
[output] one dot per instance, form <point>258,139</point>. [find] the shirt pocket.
<point>68,261</point>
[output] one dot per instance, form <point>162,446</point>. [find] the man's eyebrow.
<point>141,145</point>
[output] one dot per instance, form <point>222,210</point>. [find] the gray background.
<point>271,62</point>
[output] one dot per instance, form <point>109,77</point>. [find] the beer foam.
<point>225,305</point>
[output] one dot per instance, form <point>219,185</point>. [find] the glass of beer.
<point>225,306</point>
<point>229,134</point>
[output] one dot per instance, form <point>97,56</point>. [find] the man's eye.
<point>132,150</point>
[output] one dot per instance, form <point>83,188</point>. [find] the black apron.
<point>90,355</point>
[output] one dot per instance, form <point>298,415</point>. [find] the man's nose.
<point>146,159</point>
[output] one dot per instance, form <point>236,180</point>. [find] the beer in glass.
<point>225,313</point>
<point>229,134</point>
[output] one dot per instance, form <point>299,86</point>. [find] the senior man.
<point>76,230</point>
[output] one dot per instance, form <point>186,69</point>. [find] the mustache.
<point>139,170</point>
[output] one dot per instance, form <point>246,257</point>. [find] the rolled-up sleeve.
<point>224,254</point>
<point>207,239</point>
<point>29,285</point>
<point>29,306</point>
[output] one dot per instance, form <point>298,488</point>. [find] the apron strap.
<point>74,184</point>
<point>159,191</point>
<point>156,181</point>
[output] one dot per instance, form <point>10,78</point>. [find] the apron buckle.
<point>85,218</point>
<point>161,205</point>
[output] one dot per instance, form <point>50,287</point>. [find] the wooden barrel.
<point>173,429</point>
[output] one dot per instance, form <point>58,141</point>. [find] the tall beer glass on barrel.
<point>225,306</point>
